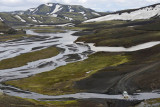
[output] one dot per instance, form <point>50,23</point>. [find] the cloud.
<point>99,5</point>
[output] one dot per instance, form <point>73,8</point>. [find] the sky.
<point>98,5</point>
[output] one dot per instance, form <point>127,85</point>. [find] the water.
<point>122,49</point>
<point>66,42</point>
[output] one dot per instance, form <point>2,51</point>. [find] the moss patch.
<point>10,101</point>
<point>49,31</point>
<point>122,33</point>
<point>23,59</point>
<point>61,80</point>
<point>12,37</point>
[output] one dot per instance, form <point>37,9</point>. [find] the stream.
<point>65,41</point>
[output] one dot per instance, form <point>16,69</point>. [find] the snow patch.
<point>40,21</point>
<point>34,19</point>
<point>31,9</point>
<point>68,18</point>
<point>1,19</point>
<point>57,8</point>
<point>22,20</point>
<point>85,18</point>
<point>145,13</point>
<point>95,13</point>
<point>67,24</point>
<point>35,10</point>
<point>70,9</point>
<point>54,15</point>
<point>83,13</point>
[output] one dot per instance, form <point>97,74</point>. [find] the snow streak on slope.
<point>22,20</point>
<point>1,19</point>
<point>143,13</point>
<point>57,8</point>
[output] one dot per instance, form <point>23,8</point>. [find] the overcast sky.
<point>99,5</point>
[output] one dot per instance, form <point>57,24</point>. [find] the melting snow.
<point>33,19</point>
<point>95,13</point>
<point>35,10</point>
<point>83,13</point>
<point>54,15</point>
<point>85,18</point>
<point>145,13</point>
<point>57,8</point>
<point>31,9</point>
<point>22,20</point>
<point>68,18</point>
<point>1,19</point>
<point>70,9</point>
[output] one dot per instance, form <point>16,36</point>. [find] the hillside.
<point>3,27</point>
<point>22,19</point>
<point>55,9</point>
<point>152,11</point>
<point>50,13</point>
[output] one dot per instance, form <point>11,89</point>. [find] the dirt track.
<point>122,84</point>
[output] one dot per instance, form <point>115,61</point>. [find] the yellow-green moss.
<point>23,59</point>
<point>49,31</point>
<point>12,37</point>
<point>60,80</point>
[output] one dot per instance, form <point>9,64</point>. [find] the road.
<point>122,84</point>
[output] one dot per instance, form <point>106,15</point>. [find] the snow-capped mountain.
<point>55,9</point>
<point>133,14</point>
<point>50,13</point>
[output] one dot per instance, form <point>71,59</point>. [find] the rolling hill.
<point>148,12</point>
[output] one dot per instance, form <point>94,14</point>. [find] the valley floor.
<point>105,72</point>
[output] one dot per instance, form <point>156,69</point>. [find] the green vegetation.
<point>3,27</point>
<point>69,103</point>
<point>98,68</point>
<point>43,9</point>
<point>23,59</point>
<point>10,19</point>
<point>12,37</point>
<point>153,101</point>
<point>61,80</point>
<point>121,33</point>
<point>11,101</point>
<point>154,26</point>
<point>43,27</point>
<point>49,31</point>
<point>150,103</point>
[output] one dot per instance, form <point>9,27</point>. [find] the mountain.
<point>68,12</point>
<point>55,9</point>
<point>152,11</point>
<point>50,13</point>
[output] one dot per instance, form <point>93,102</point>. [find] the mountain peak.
<point>51,4</point>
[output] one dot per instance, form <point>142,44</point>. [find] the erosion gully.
<point>65,41</point>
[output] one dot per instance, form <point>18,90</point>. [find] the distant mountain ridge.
<point>56,8</point>
<point>147,12</point>
<point>50,13</point>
